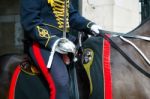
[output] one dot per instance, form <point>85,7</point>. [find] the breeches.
<point>58,71</point>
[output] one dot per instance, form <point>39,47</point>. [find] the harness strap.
<point>127,35</point>
<point>138,50</point>
<point>138,37</point>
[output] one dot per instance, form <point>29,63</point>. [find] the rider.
<point>43,25</point>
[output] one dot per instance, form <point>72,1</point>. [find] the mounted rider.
<point>43,24</point>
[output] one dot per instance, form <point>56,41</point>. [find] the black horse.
<point>130,73</point>
<point>128,82</point>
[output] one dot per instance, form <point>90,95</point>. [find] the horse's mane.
<point>140,25</point>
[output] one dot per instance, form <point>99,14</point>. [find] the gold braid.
<point>44,33</point>
<point>58,10</point>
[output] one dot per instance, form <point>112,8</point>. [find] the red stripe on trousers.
<point>107,71</point>
<point>43,67</point>
<point>13,83</point>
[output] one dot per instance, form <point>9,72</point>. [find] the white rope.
<point>142,54</point>
<point>127,35</point>
<point>142,37</point>
<point>54,49</point>
<point>53,52</point>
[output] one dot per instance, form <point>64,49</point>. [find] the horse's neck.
<point>124,74</point>
<point>143,29</point>
<point>141,32</point>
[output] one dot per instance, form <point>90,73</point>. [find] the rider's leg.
<point>60,75</point>
<point>58,71</point>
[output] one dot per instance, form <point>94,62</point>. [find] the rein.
<point>138,50</point>
<point>115,46</point>
<point>127,35</point>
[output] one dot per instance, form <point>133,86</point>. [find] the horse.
<point>127,81</point>
<point>130,72</point>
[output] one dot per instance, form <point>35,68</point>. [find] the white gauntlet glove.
<point>64,46</point>
<point>96,29</point>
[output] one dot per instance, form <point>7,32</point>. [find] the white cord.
<point>142,54</point>
<point>52,53</point>
<point>142,37</point>
<point>54,50</point>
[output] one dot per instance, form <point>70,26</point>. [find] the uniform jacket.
<point>41,23</point>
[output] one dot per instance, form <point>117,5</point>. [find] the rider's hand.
<point>65,46</point>
<point>95,29</point>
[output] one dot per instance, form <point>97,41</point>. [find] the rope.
<point>138,50</point>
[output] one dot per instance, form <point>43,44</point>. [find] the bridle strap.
<point>138,50</point>
<point>115,46</point>
<point>138,37</point>
<point>127,35</point>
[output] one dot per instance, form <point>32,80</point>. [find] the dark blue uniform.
<point>42,22</point>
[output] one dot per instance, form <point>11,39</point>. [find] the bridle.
<point>123,37</point>
<point>127,35</point>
